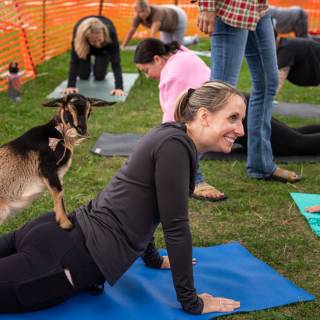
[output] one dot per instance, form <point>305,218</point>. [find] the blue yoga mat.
<point>227,270</point>
<point>304,200</point>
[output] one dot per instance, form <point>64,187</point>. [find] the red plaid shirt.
<point>243,14</point>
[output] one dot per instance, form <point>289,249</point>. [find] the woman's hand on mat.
<point>118,92</point>
<point>70,90</point>
<point>166,262</point>
<point>313,209</point>
<point>218,304</point>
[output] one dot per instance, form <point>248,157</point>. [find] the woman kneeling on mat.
<point>177,69</point>
<point>94,36</point>
<point>43,265</point>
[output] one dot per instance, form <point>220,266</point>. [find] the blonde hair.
<point>86,28</point>
<point>212,95</point>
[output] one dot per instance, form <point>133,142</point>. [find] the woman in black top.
<point>94,36</point>
<point>287,141</point>
<point>298,61</point>
<point>43,265</point>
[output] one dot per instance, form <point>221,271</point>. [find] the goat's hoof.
<point>66,224</point>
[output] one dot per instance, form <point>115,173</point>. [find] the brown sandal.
<point>202,188</point>
<point>284,176</point>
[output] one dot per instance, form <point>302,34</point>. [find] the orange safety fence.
<point>33,31</point>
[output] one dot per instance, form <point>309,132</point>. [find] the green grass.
<point>259,214</point>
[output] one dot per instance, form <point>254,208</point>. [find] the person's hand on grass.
<point>166,262</point>
<point>313,209</point>
<point>118,93</point>
<point>69,90</point>
<point>217,304</point>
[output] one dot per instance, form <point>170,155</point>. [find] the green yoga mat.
<point>99,89</point>
<point>304,200</point>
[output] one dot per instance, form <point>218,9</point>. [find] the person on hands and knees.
<point>42,265</point>
<point>290,19</point>
<point>94,37</point>
<point>170,20</point>
<point>298,61</point>
<point>176,69</point>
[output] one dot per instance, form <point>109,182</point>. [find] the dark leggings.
<point>286,141</point>
<point>32,263</point>
<point>99,68</point>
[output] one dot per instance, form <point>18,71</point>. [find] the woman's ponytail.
<point>183,113</point>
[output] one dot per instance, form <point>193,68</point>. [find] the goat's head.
<point>75,109</point>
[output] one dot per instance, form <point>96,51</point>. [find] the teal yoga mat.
<point>99,89</point>
<point>228,270</point>
<point>304,200</point>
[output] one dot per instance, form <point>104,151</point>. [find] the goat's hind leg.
<point>55,188</point>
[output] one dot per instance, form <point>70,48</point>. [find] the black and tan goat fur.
<point>40,158</point>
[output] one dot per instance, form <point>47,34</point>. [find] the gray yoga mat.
<point>123,144</point>
<point>302,110</point>
<point>116,144</point>
<point>238,153</point>
<point>99,89</point>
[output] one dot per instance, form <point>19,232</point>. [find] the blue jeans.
<point>229,46</point>
<point>198,177</point>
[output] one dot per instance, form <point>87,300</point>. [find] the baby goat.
<point>39,158</point>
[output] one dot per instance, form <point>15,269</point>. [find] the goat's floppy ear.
<point>55,103</point>
<point>99,102</point>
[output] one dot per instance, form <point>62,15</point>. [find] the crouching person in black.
<point>298,61</point>
<point>94,37</point>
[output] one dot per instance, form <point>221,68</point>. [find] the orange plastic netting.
<point>33,31</point>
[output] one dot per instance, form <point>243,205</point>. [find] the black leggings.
<point>286,141</point>
<point>99,68</point>
<point>32,264</point>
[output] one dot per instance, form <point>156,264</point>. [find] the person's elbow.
<point>175,232</point>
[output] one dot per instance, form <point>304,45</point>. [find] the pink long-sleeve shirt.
<point>182,71</point>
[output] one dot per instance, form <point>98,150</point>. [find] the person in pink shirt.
<point>177,69</point>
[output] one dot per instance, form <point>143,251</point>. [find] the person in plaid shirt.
<point>241,28</point>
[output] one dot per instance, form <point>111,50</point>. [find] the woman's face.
<point>153,69</point>
<point>223,127</point>
<point>96,39</point>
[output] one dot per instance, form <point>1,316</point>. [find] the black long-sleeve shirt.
<point>153,186</point>
<point>303,58</point>
<point>111,50</point>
